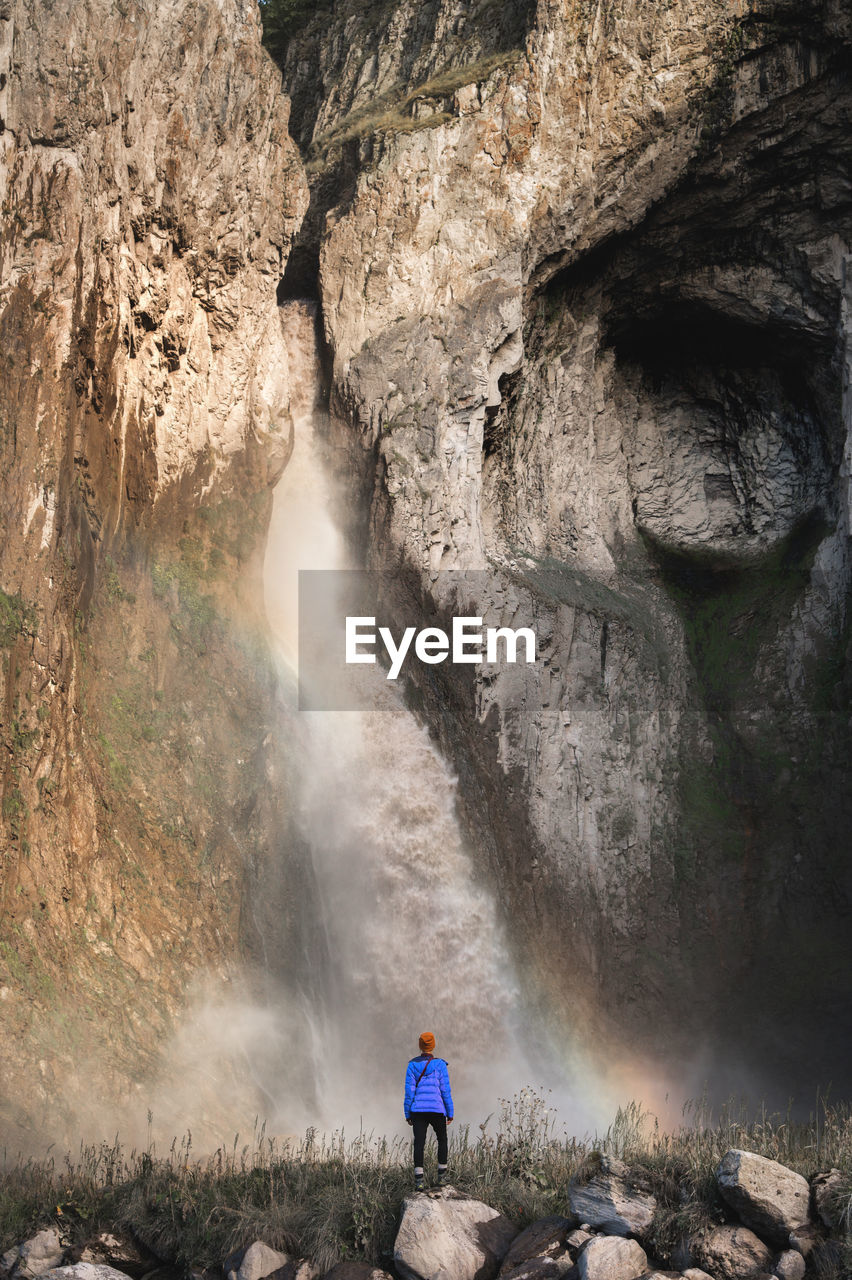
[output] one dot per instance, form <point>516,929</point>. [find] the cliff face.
<point>149,192</point>
<point>584,287</point>
<point>583,277</point>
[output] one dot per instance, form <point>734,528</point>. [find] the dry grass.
<point>334,1198</point>
<point>391,111</point>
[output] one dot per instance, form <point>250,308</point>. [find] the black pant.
<point>420,1121</point>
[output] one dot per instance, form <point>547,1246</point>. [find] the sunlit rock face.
<point>149,191</point>
<point>586,306</point>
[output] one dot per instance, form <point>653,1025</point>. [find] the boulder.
<point>733,1253</point>
<point>446,1236</point>
<point>576,1239</point>
<point>765,1195</point>
<point>695,1273</point>
<point>612,1258</point>
<point>356,1271</point>
<point>37,1255</point>
<point>804,1239</point>
<point>85,1271</point>
<point>254,1263</point>
<point>608,1201</point>
<point>790,1266</point>
<point>543,1239</point>
<point>827,1189</point>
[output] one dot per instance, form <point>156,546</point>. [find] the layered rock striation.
<point>149,193</point>
<point>584,291</point>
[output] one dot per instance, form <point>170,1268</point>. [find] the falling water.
<point>413,941</point>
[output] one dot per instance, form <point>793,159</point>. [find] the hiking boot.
<point>443,1177</point>
<point>419,1184</point>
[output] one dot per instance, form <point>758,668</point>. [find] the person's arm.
<point>409,1090</point>
<point>446,1092</point>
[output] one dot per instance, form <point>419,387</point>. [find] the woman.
<point>428,1100</point>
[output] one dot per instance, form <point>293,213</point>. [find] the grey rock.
<point>38,1254</point>
<point>765,1195</point>
<point>609,1203</point>
<point>805,1239</point>
<point>545,1238</point>
<point>85,1271</point>
<point>790,1266</point>
<point>445,1236</point>
<point>256,1263</point>
<point>598,789</point>
<point>612,1258</point>
<point>826,1187</point>
<point>576,1239</point>
<point>733,1253</point>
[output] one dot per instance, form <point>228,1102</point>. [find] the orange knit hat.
<point>427,1042</point>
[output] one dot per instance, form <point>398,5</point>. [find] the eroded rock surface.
<point>445,1236</point>
<point>612,1258</point>
<point>587,318</point>
<point>608,1202</point>
<point>543,1239</point>
<point>765,1195</point>
<point>149,192</point>
<point>734,1253</point>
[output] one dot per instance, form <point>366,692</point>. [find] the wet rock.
<point>543,1239</point>
<point>446,1236</point>
<point>733,1253</point>
<point>610,1203</point>
<point>790,1266</point>
<point>612,1258</point>
<point>826,1188</point>
<point>765,1195</point>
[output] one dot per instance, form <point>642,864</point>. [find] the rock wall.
<point>586,305</point>
<point>149,194</point>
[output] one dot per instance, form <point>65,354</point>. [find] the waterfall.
<point>413,940</point>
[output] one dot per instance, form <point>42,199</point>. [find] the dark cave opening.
<point>498,416</point>
<point>301,275</point>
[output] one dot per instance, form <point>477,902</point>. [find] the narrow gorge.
<point>543,310</point>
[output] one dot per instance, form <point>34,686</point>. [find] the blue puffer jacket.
<point>433,1092</point>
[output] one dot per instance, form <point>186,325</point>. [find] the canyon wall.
<point>583,274</point>
<point>149,194</point>
<point>582,271</point>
